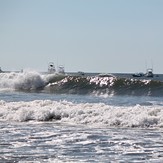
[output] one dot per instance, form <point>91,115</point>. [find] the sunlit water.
<point>94,119</point>
<point>52,142</point>
<point>77,136</point>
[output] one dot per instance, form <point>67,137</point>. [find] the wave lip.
<point>92,114</point>
<point>106,85</point>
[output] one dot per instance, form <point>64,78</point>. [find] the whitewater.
<point>71,118</point>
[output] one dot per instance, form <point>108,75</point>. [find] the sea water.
<point>80,119</point>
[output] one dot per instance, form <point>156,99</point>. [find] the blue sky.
<point>83,35</point>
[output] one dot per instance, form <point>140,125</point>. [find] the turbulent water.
<point>70,118</point>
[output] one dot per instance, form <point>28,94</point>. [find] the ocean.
<point>91,118</point>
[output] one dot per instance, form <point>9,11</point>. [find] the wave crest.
<point>107,85</point>
<point>52,83</point>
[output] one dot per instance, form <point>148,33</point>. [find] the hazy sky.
<point>82,35</point>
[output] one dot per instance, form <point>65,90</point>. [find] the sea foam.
<point>92,114</point>
<point>27,80</point>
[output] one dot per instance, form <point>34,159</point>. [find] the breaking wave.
<point>26,81</point>
<point>107,85</point>
<point>92,114</point>
<point>21,81</point>
<point>53,83</point>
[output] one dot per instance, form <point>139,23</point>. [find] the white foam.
<point>26,80</point>
<point>85,113</point>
